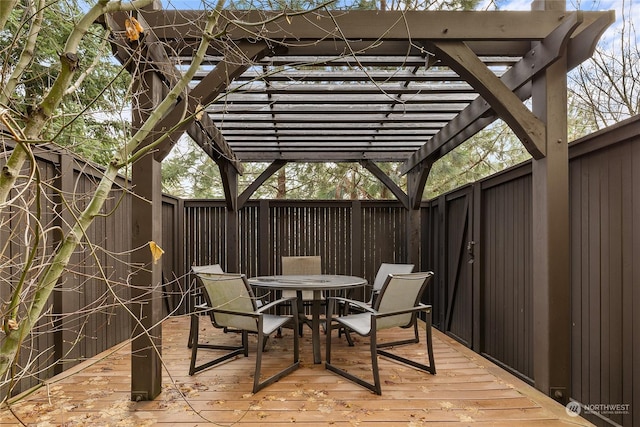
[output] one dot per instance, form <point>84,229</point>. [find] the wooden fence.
<point>477,239</point>
<point>83,315</point>
<point>480,246</point>
<point>346,234</point>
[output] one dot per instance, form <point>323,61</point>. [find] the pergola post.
<point>416,181</point>
<point>146,283</point>
<point>551,274</point>
<point>146,289</point>
<point>229,175</point>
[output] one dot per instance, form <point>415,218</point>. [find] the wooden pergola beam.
<point>479,114</point>
<point>146,226</point>
<point>551,254</point>
<point>257,183</point>
<point>316,156</point>
<point>204,133</point>
<point>387,181</point>
<point>215,82</point>
<point>363,25</point>
<point>416,182</point>
<point>527,127</point>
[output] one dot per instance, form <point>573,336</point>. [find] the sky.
<point>627,12</point>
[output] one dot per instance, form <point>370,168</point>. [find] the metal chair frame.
<point>251,320</point>
<point>197,295</point>
<point>371,319</point>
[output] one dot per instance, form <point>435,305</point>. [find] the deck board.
<point>467,389</point>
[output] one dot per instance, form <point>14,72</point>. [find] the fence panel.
<point>605,275</point>
<point>506,275</point>
<point>458,292</point>
<point>384,237</point>
<point>83,316</point>
<point>275,228</point>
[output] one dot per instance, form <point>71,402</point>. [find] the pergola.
<point>365,86</point>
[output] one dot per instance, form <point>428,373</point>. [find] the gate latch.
<point>470,246</point>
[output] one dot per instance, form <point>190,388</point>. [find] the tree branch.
<point>27,52</point>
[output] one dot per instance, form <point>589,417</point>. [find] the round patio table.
<point>318,283</point>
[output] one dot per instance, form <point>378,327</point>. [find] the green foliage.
<point>189,173</point>
<point>89,120</point>
<point>494,149</point>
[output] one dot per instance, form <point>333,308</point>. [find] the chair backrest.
<point>197,290</point>
<point>207,269</point>
<point>231,292</point>
<point>399,292</point>
<point>292,265</point>
<point>386,269</point>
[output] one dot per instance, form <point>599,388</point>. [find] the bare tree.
<point>606,88</point>
<point>30,276</point>
<point>35,114</point>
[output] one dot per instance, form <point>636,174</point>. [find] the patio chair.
<point>197,294</point>
<point>396,306</point>
<point>301,265</point>
<point>232,304</point>
<point>381,276</point>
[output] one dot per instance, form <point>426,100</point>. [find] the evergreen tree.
<point>88,121</point>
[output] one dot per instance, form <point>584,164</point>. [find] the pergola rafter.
<point>371,86</point>
<point>341,75</point>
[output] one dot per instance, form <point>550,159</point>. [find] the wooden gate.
<point>453,293</point>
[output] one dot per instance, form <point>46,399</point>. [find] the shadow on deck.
<point>468,390</point>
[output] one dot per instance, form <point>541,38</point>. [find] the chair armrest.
<point>199,309</point>
<point>277,302</point>
<point>234,313</point>
<point>420,307</point>
<point>360,304</point>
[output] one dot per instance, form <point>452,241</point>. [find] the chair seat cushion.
<point>272,322</point>
<point>359,323</point>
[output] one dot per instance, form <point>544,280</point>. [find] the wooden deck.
<point>468,390</point>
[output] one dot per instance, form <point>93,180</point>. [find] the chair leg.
<point>414,340</point>
<point>256,375</point>
<point>432,361</point>
<point>376,350</point>
<point>193,331</point>
<point>257,385</point>
<point>431,368</point>
<point>195,345</point>
<point>347,335</point>
<point>301,314</point>
<point>377,388</point>
<point>245,343</point>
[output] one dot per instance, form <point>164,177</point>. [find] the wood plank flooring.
<point>467,390</point>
